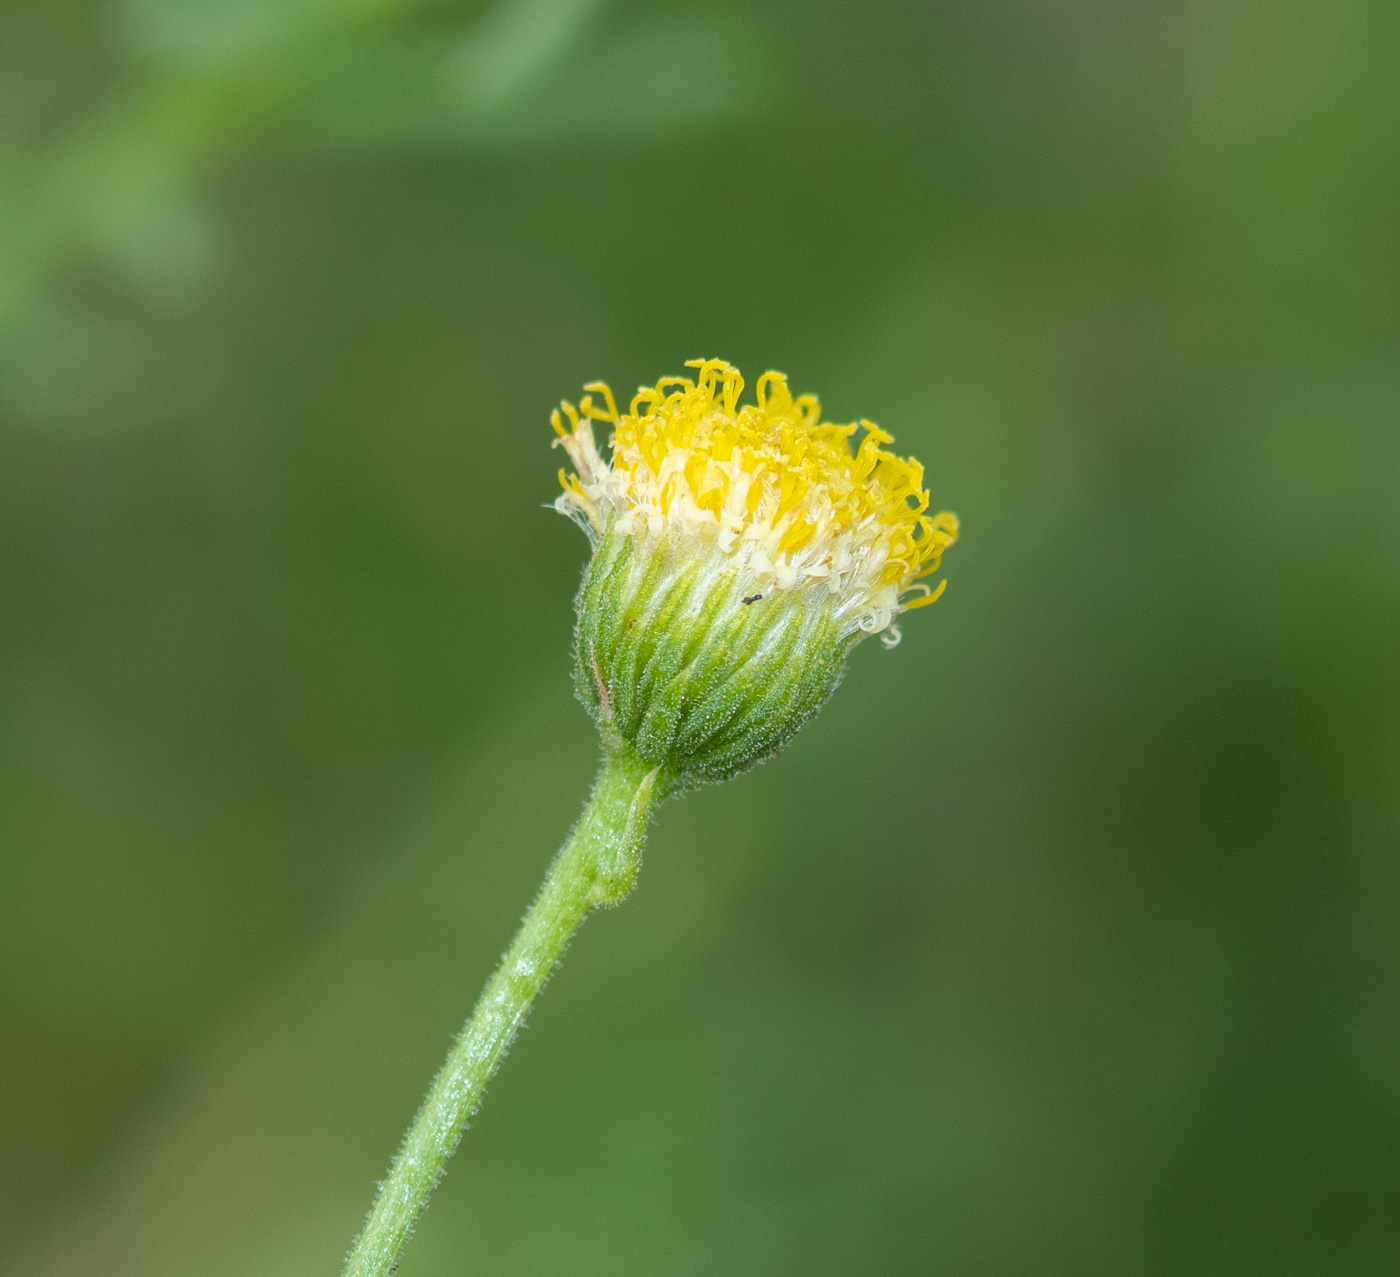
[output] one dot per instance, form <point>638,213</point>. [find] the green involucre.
<point>693,667</point>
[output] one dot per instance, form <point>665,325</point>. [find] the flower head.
<point>769,488</point>
<point>740,551</point>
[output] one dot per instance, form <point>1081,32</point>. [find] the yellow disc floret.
<point>768,489</point>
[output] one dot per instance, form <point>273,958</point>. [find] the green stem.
<point>597,866</point>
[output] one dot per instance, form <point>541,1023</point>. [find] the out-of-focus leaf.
<point>428,87</point>
<point>212,78</point>
<point>511,84</point>
<point>200,32</point>
<point>148,151</point>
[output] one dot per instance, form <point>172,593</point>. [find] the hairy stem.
<point>596,866</point>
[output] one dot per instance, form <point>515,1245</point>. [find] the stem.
<point>596,866</point>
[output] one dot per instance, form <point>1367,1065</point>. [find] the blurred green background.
<point>1066,941</point>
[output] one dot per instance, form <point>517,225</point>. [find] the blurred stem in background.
<point>597,866</point>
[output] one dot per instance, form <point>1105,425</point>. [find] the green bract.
<point>692,665</point>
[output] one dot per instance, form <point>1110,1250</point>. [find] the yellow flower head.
<point>768,488</point>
